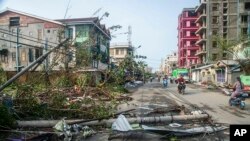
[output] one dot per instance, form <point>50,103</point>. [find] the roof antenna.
<point>67,9</point>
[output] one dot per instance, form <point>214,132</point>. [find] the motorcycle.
<point>181,88</point>
<point>239,100</point>
<point>165,83</point>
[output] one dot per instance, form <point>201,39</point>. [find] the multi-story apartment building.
<point>29,33</point>
<point>87,34</point>
<point>218,20</point>
<point>118,51</point>
<point>187,38</point>
<point>171,62</point>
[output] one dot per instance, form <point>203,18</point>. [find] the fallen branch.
<point>108,123</point>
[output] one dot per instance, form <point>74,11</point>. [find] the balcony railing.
<point>200,52</point>
<point>201,29</point>
<point>203,15</point>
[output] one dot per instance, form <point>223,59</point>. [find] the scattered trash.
<point>198,112</point>
<point>121,124</point>
<point>175,125</point>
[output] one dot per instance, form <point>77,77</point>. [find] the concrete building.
<point>171,63</point>
<point>31,33</point>
<point>220,19</point>
<point>118,51</point>
<point>187,38</point>
<point>91,41</point>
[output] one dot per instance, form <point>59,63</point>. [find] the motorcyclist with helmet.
<point>181,83</point>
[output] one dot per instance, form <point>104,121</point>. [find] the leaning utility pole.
<point>17,52</point>
<point>40,59</point>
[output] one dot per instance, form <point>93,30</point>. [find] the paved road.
<point>212,101</point>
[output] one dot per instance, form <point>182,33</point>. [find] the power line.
<point>25,35</point>
<point>36,47</point>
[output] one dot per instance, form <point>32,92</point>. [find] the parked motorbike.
<point>181,88</point>
<point>239,100</point>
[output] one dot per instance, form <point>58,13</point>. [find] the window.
<point>13,54</point>
<point>4,35</point>
<point>224,35</point>
<point>4,55</point>
<point>14,21</point>
<point>117,52</point>
<point>48,31</point>
<point>38,53</point>
<point>193,34</point>
<point>39,34</point>
<point>214,44</point>
<point>224,11</point>
<point>193,24</point>
<point>215,19</point>
<point>23,56</point>
<point>220,76</point>
<point>112,52</point>
<point>224,23</point>
<point>31,55</point>
<point>192,53</point>
<point>69,33</point>
<point>214,57</point>
<point>247,6</point>
<point>188,33</point>
<point>244,31</point>
<point>215,32</point>
<point>193,43</point>
<point>244,19</point>
<point>188,24</point>
<point>122,51</point>
<point>215,7</point>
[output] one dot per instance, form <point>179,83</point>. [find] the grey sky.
<point>154,22</point>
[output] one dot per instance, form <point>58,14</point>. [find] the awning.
<point>204,67</point>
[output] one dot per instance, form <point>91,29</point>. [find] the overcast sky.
<point>154,22</point>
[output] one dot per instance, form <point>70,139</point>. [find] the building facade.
<point>219,20</point>
<point>187,38</point>
<point>29,33</point>
<point>118,51</point>
<point>171,63</point>
<point>90,40</point>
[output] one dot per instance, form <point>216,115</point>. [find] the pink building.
<point>187,38</point>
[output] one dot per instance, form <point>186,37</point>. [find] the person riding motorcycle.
<point>165,81</point>
<point>238,88</point>
<point>181,82</point>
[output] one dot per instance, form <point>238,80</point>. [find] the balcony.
<point>191,47</point>
<point>203,15</point>
<point>201,52</point>
<point>192,37</point>
<point>201,30</point>
<point>201,41</point>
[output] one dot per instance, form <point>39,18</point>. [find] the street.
<point>214,102</point>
